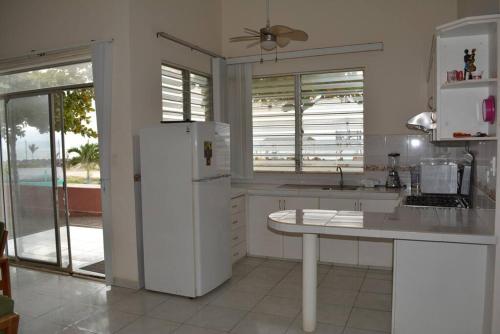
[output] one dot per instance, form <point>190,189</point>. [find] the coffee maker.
<point>393,180</point>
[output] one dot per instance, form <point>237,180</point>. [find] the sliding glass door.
<point>36,184</point>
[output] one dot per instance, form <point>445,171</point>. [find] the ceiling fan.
<point>271,37</point>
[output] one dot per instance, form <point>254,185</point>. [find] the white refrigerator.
<point>185,186</point>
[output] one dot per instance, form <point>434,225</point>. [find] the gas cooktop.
<point>444,201</point>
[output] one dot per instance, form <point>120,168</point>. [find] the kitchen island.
<point>443,263</point>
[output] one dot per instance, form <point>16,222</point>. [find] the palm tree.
<point>33,148</point>
<point>87,157</point>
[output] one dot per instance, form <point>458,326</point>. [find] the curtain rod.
<point>334,50</point>
<point>42,53</point>
<point>188,45</point>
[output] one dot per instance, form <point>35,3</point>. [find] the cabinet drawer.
<point>237,204</point>
<point>238,236</point>
<point>238,251</point>
<point>237,220</point>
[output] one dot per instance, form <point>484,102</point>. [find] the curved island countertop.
<point>469,226</point>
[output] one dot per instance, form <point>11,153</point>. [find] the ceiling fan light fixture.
<point>268,42</point>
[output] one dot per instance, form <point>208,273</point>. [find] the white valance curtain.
<point>102,66</point>
<point>238,113</point>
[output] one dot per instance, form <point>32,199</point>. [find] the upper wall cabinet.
<point>467,44</point>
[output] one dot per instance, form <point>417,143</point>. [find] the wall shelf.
<point>488,138</point>
<point>469,83</point>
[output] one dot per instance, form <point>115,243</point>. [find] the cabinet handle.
<point>284,204</point>
<point>236,254</point>
<point>235,238</point>
<point>279,205</point>
<point>234,206</point>
<point>360,206</point>
<point>235,222</point>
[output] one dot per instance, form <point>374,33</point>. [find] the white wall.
<point>395,78</point>
<point>35,25</point>
<point>477,7</point>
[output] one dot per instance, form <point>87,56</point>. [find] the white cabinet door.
<point>292,243</point>
<point>376,252</point>
<point>263,241</point>
<point>338,249</point>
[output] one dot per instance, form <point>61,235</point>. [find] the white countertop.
<point>473,226</point>
<point>303,191</point>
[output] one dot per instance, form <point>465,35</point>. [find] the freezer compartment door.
<point>211,155</point>
<point>212,233</point>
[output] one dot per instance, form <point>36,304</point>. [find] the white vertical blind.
<point>185,95</point>
<point>273,113</point>
<point>332,121</point>
<point>330,118</point>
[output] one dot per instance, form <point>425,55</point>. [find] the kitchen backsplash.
<point>412,148</point>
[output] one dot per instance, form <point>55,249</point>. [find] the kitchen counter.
<point>443,262</point>
<point>304,191</point>
<point>473,226</point>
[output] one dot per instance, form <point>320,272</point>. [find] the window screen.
<point>321,132</point>
<point>273,111</point>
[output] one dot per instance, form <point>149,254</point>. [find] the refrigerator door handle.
<point>212,178</point>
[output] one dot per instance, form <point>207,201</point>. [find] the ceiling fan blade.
<point>244,38</point>
<point>251,31</point>
<point>282,41</point>
<point>296,35</point>
<point>280,29</point>
<point>253,44</point>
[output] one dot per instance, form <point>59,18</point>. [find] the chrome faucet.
<point>339,169</point>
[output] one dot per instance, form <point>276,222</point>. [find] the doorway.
<point>50,173</point>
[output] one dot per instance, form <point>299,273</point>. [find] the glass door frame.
<point>8,214</point>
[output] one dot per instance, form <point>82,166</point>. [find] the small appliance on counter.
<point>393,180</point>
<point>444,183</point>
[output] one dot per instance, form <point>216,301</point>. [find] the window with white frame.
<point>185,95</point>
<point>308,122</point>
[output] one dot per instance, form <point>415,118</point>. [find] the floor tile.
<point>250,260</point>
<point>176,309</point>
<point>348,272</point>
<point>286,307</point>
<point>39,326</point>
<point>361,331</point>
<point>321,328</point>
<point>188,329</point>
<point>288,290</point>
<point>342,282</point>
<point>377,286</point>
<point>75,330</point>
<point>69,313</point>
<point>107,296</point>
<point>258,323</point>
<point>147,325</point>
<point>36,304</point>
<point>279,264</point>
<point>379,274</point>
<point>108,321</point>
<point>140,302</point>
<point>336,297</point>
<point>333,314</point>
<point>215,317</point>
<point>370,320</point>
<point>237,300</point>
<point>374,301</point>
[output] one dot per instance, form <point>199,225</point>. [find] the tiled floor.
<point>264,296</point>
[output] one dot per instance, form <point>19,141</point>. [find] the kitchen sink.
<point>319,186</point>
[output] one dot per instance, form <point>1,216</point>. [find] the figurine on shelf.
<point>472,65</point>
<point>469,63</point>
<point>467,58</point>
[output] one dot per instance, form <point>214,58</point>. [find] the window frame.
<point>298,121</point>
<point>186,91</point>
